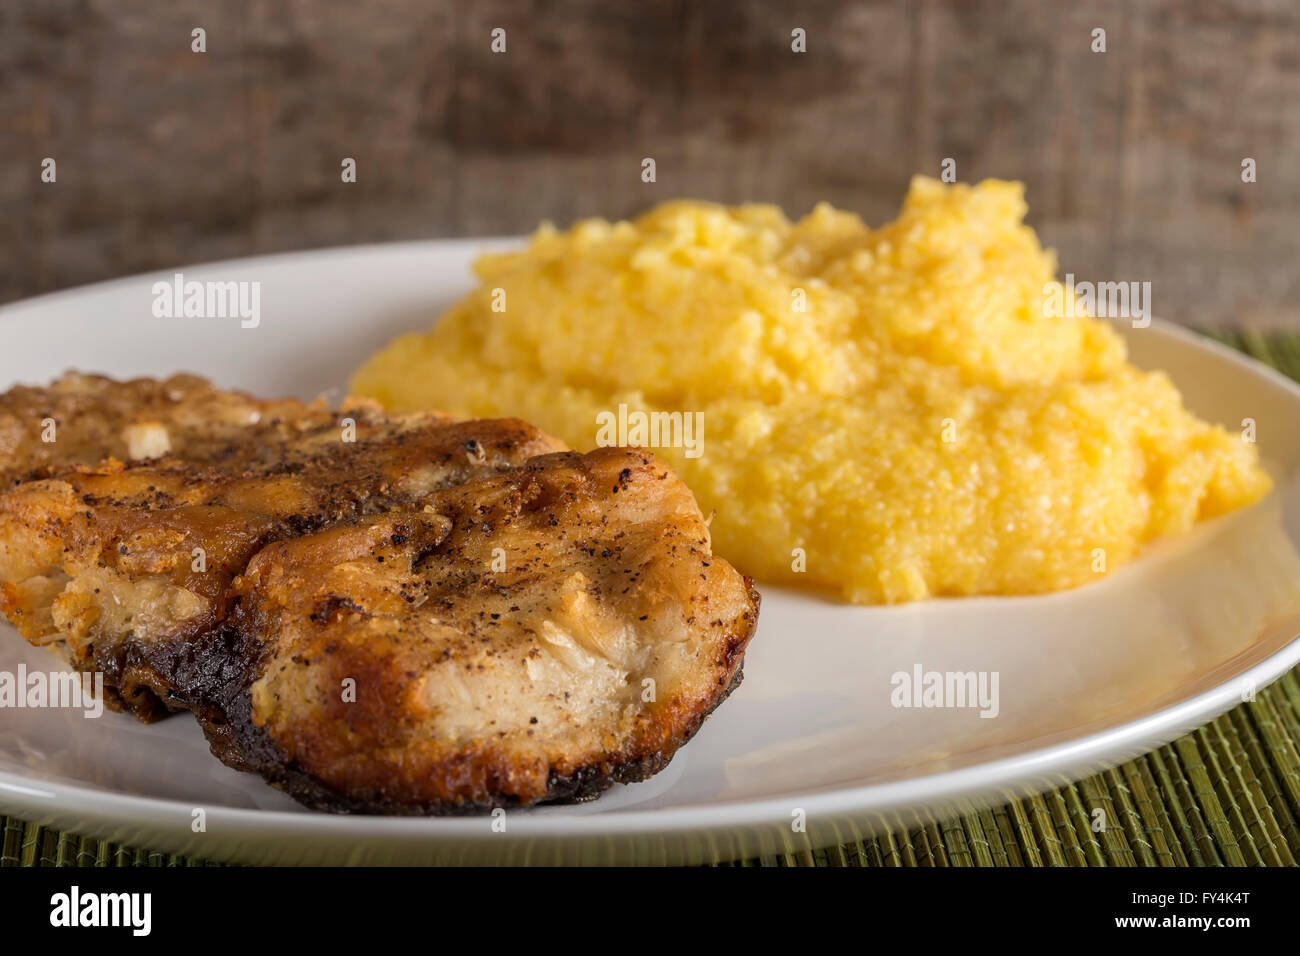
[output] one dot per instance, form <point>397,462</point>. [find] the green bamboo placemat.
<point>1226,795</point>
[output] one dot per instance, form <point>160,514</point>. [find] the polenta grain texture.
<point>895,402</point>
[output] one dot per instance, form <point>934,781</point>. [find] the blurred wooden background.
<point>1132,157</point>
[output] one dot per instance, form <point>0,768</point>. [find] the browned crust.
<point>585,783</point>
<point>225,716</point>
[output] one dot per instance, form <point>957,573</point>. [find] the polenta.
<point>891,413</point>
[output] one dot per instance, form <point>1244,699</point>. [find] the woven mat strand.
<point>1226,795</point>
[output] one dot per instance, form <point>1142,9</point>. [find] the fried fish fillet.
<point>436,617</point>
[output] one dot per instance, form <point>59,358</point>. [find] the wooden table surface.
<point>1132,156</point>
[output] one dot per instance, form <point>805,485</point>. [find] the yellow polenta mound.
<point>896,403</point>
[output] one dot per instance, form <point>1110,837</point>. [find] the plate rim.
<point>1172,720</point>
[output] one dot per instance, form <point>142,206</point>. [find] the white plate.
<point>1086,678</point>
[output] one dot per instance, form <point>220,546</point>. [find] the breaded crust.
<point>85,419</point>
